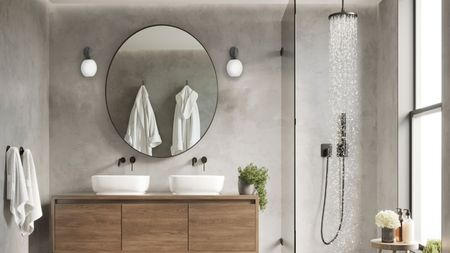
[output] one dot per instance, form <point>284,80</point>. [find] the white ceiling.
<point>189,2</point>
<point>338,2</point>
<point>169,2</point>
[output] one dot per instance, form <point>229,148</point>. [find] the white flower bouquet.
<point>387,219</point>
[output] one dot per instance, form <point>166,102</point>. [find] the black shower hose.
<point>325,201</point>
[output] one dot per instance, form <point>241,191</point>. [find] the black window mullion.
<point>414,55</point>
<point>427,109</point>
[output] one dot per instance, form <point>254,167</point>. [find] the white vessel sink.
<point>120,184</point>
<point>196,184</point>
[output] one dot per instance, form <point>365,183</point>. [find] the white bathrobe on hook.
<point>142,133</point>
<point>186,121</point>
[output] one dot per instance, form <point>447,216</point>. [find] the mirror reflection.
<point>161,91</point>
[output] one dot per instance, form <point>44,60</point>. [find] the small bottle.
<point>398,231</point>
<point>408,228</point>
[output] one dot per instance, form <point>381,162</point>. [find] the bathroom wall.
<point>247,125</point>
<point>165,74</point>
<point>387,105</point>
<point>288,129</point>
<point>24,108</point>
<point>315,126</point>
<point>446,127</point>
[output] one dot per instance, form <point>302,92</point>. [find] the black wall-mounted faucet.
<point>204,160</point>
<point>132,161</point>
<point>120,161</point>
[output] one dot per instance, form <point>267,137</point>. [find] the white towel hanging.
<point>16,186</point>
<point>33,209</point>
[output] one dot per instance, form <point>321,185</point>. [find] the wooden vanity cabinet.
<point>87,227</point>
<point>155,227</point>
<point>222,227</point>
<point>154,224</point>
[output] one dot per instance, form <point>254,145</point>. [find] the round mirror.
<point>161,91</point>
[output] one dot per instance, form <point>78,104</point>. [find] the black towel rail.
<point>21,150</point>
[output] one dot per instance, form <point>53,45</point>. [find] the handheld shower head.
<point>341,152</point>
<point>341,147</point>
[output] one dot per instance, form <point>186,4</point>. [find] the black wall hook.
<point>21,150</point>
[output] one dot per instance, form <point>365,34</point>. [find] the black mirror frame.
<point>106,86</point>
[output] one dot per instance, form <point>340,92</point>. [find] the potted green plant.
<point>253,179</point>
<point>433,246</point>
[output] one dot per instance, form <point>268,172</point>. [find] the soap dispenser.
<point>398,231</point>
<point>408,227</point>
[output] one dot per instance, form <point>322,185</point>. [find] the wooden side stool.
<point>394,247</point>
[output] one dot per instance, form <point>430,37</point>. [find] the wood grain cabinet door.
<point>223,227</point>
<point>87,228</point>
<point>155,227</point>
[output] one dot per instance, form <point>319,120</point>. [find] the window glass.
<point>428,52</point>
<point>427,176</point>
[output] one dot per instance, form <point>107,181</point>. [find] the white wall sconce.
<point>88,66</point>
<point>234,66</point>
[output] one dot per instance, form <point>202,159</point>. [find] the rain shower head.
<point>343,12</point>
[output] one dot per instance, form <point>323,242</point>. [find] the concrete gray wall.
<point>387,105</point>
<point>315,126</point>
<point>165,74</point>
<point>446,126</point>
<point>247,125</point>
<point>24,108</point>
<point>288,128</point>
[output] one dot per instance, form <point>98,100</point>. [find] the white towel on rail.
<point>16,186</point>
<point>33,209</point>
